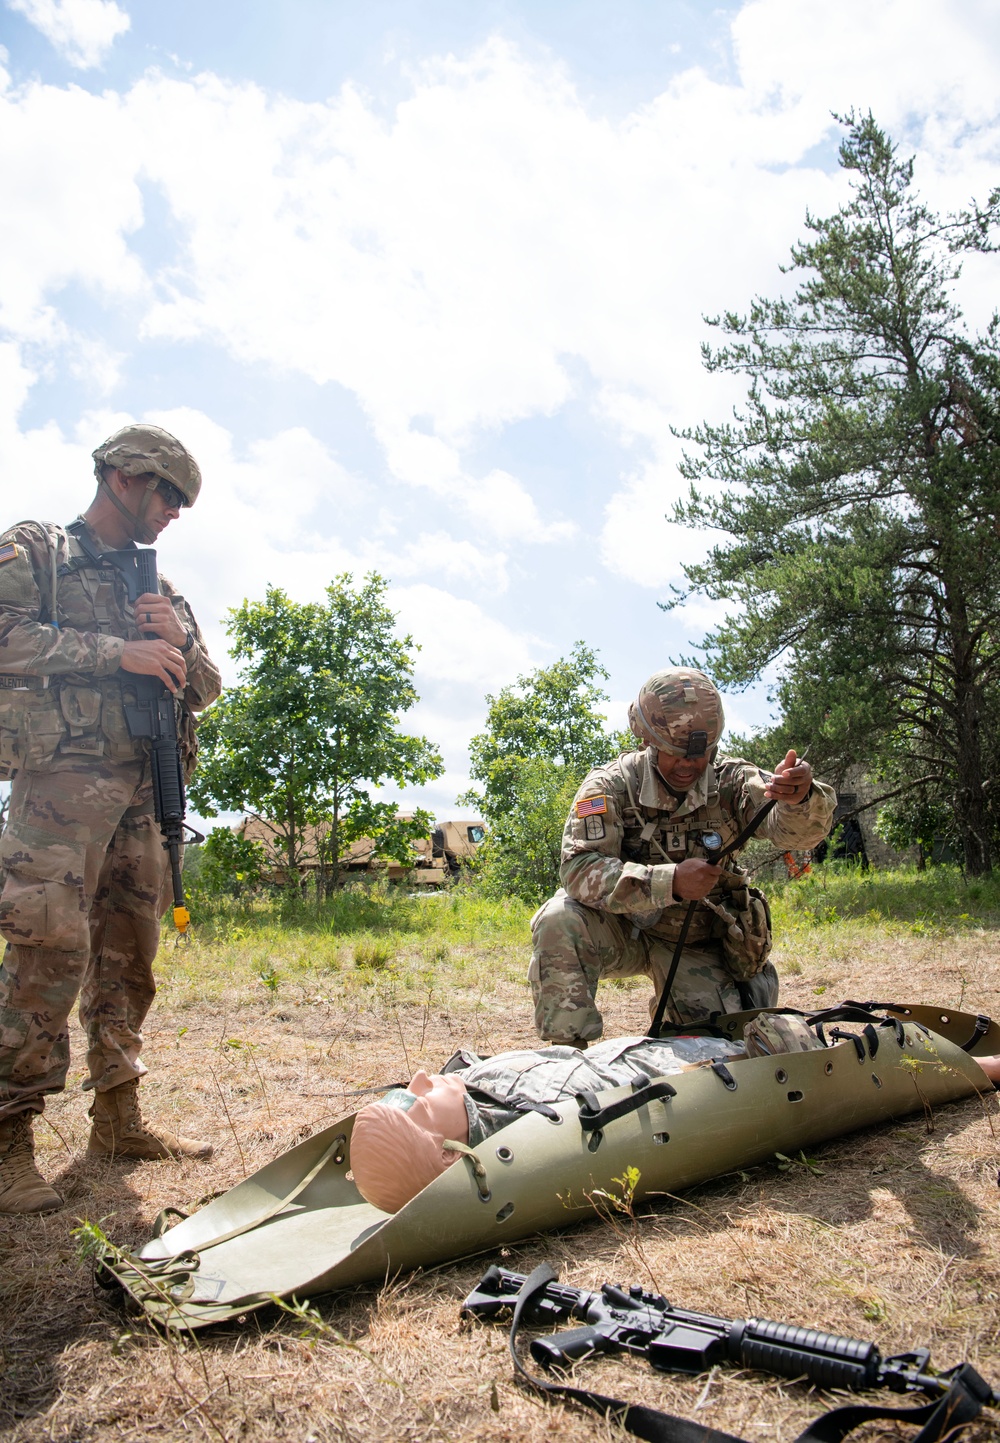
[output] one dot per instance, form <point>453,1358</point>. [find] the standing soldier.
<point>633,858</point>
<point>83,868</point>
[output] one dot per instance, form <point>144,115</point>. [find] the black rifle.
<point>631,1320</point>
<point>152,716</point>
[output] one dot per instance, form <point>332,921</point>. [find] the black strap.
<point>675,961</point>
<point>515,1104</point>
<point>593,1117</point>
<point>721,1070</point>
<point>941,1418</point>
<point>840,1035</point>
<point>980,1030</point>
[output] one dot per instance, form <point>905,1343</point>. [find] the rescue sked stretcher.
<point>300,1227</point>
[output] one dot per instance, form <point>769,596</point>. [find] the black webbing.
<point>593,1117</point>
<point>675,961</point>
<point>981,1028</point>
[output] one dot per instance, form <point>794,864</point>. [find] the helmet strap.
<point>136,519</point>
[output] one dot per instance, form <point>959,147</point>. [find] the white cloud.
<point>898,58</point>
<point>69,163</point>
<point>83,31</point>
<point>460,642</point>
<point>457,264</point>
<point>443,556</point>
<point>444,262</point>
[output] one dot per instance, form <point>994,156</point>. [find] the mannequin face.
<point>440,1105</point>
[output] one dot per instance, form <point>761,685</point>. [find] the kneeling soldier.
<point>633,858</point>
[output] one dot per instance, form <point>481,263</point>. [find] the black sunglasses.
<point>172,495</point>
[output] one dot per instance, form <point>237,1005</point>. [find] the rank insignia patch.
<point>8,552</point>
<point>591,806</point>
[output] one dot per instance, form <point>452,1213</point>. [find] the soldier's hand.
<point>155,616</point>
<point>156,658</point>
<point>791,780</point>
<point>694,879</point>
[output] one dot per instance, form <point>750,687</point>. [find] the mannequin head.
<point>399,1145</point>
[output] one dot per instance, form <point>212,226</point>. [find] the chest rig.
<point>91,596</point>
<point>652,837</point>
<point>73,714</point>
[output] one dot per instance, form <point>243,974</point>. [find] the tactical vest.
<point>71,713</point>
<point>653,837</point>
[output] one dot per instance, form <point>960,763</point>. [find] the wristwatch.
<point>188,644</point>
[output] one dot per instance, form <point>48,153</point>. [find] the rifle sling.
<point>941,1418</point>
<point>675,961</point>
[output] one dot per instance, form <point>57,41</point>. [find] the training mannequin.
<point>403,1142</point>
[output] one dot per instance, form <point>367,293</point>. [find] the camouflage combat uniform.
<point>498,1088</point>
<point>616,915</point>
<point>84,872</point>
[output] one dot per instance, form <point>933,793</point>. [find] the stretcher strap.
<point>171,1280</point>
<point>593,1116</point>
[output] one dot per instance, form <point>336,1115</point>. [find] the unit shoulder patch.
<point>593,828</point>
<point>591,806</point>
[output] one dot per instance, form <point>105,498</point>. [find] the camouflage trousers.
<point>85,883</point>
<point>574,946</point>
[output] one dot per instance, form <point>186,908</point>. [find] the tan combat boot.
<point>22,1187</point>
<point>119,1130</point>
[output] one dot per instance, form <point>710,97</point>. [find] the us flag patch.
<point>8,552</point>
<point>591,806</point>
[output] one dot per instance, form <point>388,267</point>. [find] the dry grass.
<point>891,1235</point>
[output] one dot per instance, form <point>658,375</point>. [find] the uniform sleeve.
<point>592,869</point>
<point>29,646</point>
<point>204,684</point>
<point>790,826</point>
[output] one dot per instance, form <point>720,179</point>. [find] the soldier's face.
<point>680,773</point>
<point>162,507</point>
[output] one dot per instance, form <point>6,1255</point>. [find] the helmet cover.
<point>142,449</point>
<point>678,711</point>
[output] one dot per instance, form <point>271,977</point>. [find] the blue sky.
<point>422,284</point>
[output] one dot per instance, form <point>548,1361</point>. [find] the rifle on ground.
<point>619,1319</point>
<point>152,716</point>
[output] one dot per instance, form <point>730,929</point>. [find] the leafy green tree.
<point>520,854</point>
<point>858,491</point>
<point>543,734</point>
<point>230,864</point>
<point>314,724</point>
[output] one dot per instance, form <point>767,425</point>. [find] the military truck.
<point>438,858</point>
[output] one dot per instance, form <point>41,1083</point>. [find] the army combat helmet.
<point>142,449</point>
<point>678,711</point>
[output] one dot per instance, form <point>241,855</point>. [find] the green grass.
<point>366,936</point>
<point>379,940</point>
<point>938,899</point>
